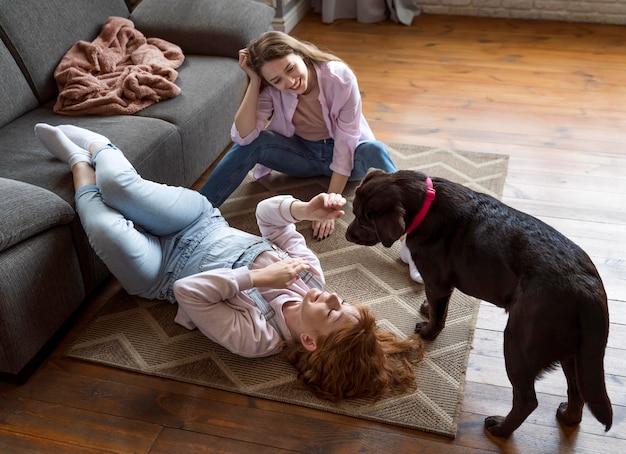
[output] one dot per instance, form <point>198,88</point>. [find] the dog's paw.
<point>493,425</point>
<point>420,327</point>
<point>424,329</point>
<point>564,417</point>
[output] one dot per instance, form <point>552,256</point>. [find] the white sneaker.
<point>405,256</point>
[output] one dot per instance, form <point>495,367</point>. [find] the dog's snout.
<point>349,233</point>
<point>357,233</point>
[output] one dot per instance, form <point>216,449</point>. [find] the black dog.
<point>471,241</point>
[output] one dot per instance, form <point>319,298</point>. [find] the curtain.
<point>367,11</point>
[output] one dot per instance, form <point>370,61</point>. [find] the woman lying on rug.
<point>312,102</point>
<point>256,296</point>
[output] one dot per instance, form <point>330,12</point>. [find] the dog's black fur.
<point>555,298</point>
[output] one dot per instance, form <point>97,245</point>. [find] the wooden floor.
<point>550,95</point>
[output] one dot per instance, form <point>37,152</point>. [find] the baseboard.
<point>293,16</point>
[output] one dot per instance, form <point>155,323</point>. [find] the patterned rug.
<point>139,335</point>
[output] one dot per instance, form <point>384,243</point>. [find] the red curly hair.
<point>357,360</point>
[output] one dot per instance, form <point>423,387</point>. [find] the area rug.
<point>139,335</point>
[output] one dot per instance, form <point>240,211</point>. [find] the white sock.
<point>405,256</point>
<point>59,145</point>
<point>81,136</point>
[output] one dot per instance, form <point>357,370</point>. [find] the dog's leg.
<point>435,313</point>
<point>570,413</point>
<point>522,377</point>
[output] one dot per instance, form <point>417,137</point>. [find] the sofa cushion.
<point>151,145</point>
<point>16,97</point>
<point>28,210</point>
<point>204,110</point>
<point>40,287</point>
<point>41,32</point>
<point>204,27</point>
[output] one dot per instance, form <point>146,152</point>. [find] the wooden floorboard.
<point>551,96</point>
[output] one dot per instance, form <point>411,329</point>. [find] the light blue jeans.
<point>293,156</point>
<point>150,234</point>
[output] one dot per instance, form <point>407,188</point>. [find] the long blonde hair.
<point>275,44</point>
<point>357,360</point>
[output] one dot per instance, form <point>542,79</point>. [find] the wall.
<point>598,11</point>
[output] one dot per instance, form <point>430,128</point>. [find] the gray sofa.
<point>47,267</point>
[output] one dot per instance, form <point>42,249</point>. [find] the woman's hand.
<point>244,63</point>
<point>279,274</point>
<point>322,209</point>
<point>323,229</point>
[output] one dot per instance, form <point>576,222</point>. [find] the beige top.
<point>308,118</point>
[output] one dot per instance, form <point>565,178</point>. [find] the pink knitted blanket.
<point>120,72</point>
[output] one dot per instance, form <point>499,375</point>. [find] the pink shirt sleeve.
<point>341,104</point>
<point>278,225</point>
<point>212,301</point>
<point>268,105</point>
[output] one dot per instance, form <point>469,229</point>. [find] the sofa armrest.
<point>204,27</point>
<point>28,210</point>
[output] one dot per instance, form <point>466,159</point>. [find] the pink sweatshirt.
<point>341,106</point>
<point>214,302</point>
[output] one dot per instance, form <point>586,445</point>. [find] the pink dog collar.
<point>428,200</point>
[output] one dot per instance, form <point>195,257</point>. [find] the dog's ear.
<point>384,208</point>
<point>389,226</point>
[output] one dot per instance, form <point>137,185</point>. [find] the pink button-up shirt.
<point>341,106</point>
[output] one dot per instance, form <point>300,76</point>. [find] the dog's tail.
<point>594,324</point>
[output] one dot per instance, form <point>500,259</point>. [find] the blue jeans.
<point>293,156</point>
<point>150,234</point>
